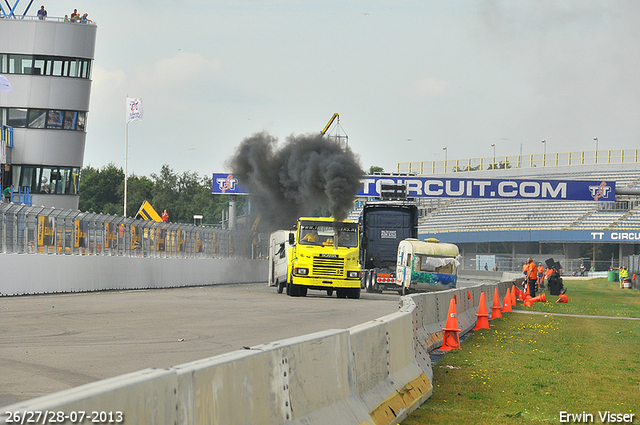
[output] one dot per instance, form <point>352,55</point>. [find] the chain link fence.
<point>28,229</point>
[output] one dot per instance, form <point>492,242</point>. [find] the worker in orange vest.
<point>525,272</point>
<point>540,276</point>
<point>533,277</point>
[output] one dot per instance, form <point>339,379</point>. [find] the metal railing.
<point>623,156</point>
<point>6,13</point>
<point>28,229</point>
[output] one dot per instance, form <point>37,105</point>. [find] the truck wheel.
<point>354,293</point>
<point>330,292</point>
<point>280,287</point>
<point>341,293</point>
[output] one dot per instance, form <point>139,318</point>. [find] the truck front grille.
<point>330,267</point>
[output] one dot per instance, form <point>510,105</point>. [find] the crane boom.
<point>326,127</point>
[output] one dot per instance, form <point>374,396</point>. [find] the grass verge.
<point>529,368</point>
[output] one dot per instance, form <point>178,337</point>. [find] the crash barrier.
<point>374,373</point>
<point>28,229</point>
<point>46,274</point>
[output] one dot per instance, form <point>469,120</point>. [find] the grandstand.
<point>595,233</point>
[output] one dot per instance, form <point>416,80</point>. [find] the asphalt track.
<point>49,343</point>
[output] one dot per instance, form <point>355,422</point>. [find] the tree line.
<point>182,195</point>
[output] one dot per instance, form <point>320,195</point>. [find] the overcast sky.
<point>407,77</point>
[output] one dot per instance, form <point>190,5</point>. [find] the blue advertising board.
<point>227,184</point>
<point>430,187</point>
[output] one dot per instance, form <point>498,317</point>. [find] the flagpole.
<point>126,155</point>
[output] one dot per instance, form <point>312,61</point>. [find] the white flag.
<point>5,85</point>
<point>134,110</point>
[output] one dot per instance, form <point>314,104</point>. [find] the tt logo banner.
<point>228,183</point>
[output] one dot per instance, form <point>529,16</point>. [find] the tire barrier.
<point>374,373</point>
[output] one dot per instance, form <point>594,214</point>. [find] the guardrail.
<point>9,14</point>
<point>374,373</point>
<point>622,156</point>
<point>43,230</point>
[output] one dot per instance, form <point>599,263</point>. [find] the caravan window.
<point>425,263</point>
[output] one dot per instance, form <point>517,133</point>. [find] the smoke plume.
<point>309,173</point>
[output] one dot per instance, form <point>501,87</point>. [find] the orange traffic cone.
<point>451,338</point>
<point>496,313</point>
<point>528,302</point>
<point>506,304</point>
<point>468,295</point>
<point>540,298</point>
<point>563,298</point>
<point>483,317</point>
<point>513,295</point>
<point>518,293</point>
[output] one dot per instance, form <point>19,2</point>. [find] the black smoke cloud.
<point>309,173</point>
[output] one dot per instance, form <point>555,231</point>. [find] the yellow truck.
<point>324,256</point>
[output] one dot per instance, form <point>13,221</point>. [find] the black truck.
<point>383,226</point>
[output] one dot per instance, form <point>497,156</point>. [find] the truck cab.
<point>324,256</point>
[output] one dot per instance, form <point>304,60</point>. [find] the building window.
<point>17,117</point>
<point>82,118</point>
<point>37,118</point>
<point>46,179</point>
<point>70,118</point>
<point>53,119</point>
<point>45,65</point>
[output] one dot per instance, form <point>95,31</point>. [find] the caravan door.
<point>404,264</point>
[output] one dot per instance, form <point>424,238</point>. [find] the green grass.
<point>529,368</point>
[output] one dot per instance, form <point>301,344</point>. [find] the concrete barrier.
<point>374,373</point>
<point>24,274</point>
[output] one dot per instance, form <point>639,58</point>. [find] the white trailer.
<point>426,266</point>
<point>279,249</point>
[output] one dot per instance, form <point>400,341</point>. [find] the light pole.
<point>596,139</point>
<point>445,158</point>
<point>596,155</point>
<point>544,154</point>
<point>493,145</point>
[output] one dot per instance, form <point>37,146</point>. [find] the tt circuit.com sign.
<point>425,187</point>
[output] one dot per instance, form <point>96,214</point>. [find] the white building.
<point>48,63</point>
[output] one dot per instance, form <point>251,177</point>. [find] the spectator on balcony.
<point>75,16</point>
<point>42,14</point>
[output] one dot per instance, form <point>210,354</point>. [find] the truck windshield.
<point>324,234</point>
